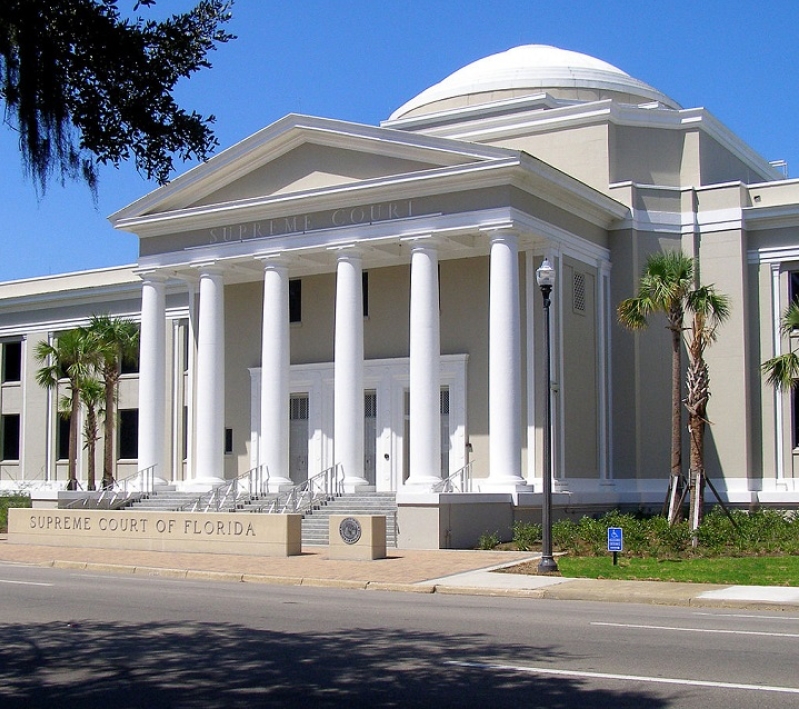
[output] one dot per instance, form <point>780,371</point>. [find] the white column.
<point>504,364</point>
<point>152,376</point>
<point>348,386</point>
<point>533,303</point>
<point>425,377</point>
<point>273,450</point>
<point>210,459</point>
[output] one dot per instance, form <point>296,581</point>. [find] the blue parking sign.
<point>615,539</point>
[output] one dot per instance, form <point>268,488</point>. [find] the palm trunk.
<point>72,466</point>
<point>696,403</point>
<point>675,478</point>
<point>109,427</point>
<point>91,446</point>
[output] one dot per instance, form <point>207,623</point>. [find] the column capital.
<point>418,242</point>
<point>272,259</point>
<point>209,268</point>
<point>347,251</point>
<point>152,275</point>
<point>503,234</point>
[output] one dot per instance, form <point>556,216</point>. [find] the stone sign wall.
<point>223,533</point>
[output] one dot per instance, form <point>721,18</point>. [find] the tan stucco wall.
<point>723,263</point>
<point>579,392</point>
<point>641,369</point>
<point>581,152</point>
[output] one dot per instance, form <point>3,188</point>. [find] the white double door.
<point>386,444</point>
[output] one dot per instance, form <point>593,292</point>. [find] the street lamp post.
<point>545,276</point>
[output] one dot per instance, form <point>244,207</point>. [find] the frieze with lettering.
<point>301,223</point>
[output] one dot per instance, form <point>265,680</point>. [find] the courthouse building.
<point>326,293</point>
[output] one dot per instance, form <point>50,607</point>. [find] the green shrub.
<point>11,500</point>
<point>488,541</point>
<point>526,536</point>
<point>761,532</point>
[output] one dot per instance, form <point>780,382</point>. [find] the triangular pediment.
<point>311,166</point>
<point>301,154</point>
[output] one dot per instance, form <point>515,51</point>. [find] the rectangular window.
<point>130,365</point>
<point>295,301</point>
<point>795,407</point>
<point>365,289</point>
<point>10,434</point>
<point>62,438</point>
<point>128,434</point>
<point>793,286</point>
<point>12,361</point>
<point>228,440</point>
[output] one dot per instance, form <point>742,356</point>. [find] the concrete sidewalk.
<point>444,571</point>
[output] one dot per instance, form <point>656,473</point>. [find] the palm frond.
<point>782,371</point>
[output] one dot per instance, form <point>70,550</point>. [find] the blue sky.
<point>358,60</point>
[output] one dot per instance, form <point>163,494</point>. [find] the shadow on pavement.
<point>118,665</point>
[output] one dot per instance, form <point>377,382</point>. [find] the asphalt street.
<point>75,638</point>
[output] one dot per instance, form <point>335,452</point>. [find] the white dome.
<point>532,68</point>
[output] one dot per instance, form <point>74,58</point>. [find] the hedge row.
<point>747,533</point>
<point>11,500</point>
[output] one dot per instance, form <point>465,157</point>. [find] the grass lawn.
<point>745,570</point>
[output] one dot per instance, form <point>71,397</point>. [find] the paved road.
<point>77,639</point>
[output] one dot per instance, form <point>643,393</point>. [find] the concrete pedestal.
<point>357,537</point>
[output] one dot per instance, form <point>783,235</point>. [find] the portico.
<point>405,323</point>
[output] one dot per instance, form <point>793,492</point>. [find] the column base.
<point>278,483</point>
<point>421,483</point>
<point>201,484</point>
<point>351,485</point>
<point>508,484</point>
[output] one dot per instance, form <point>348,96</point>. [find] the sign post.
<point>615,542</point>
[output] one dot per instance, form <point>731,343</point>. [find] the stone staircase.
<point>170,500</point>
<point>315,523</point>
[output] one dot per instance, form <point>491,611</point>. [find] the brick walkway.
<point>401,566</point>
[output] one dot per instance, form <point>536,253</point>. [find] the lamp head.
<point>545,275</point>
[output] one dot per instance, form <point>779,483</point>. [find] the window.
<point>365,289</point>
<point>128,434</point>
<point>62,437</point>
<point>12,361</point>
<point>10,436</point>
<point>129,365</point>
<point>228,440</point>
<point>295,301</point>
<point>793,286</point>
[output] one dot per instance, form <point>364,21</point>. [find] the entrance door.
<point>298,438</point>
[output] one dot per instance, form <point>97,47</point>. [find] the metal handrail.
<point>322,486</point>
<point>141,483</point>
<point>459,481</point>
<point>257,483</point>
<point>137,485</point>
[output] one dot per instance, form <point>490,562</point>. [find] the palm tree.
<point>667,280</point>
<point>72,358</point>
<point>92,395</point>
<point>115,340</point>
<point>782,371</point>
<point>709,309</point>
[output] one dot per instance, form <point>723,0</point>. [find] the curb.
<point>646,592</point>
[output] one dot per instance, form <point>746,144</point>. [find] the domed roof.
<point>527,69</point>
